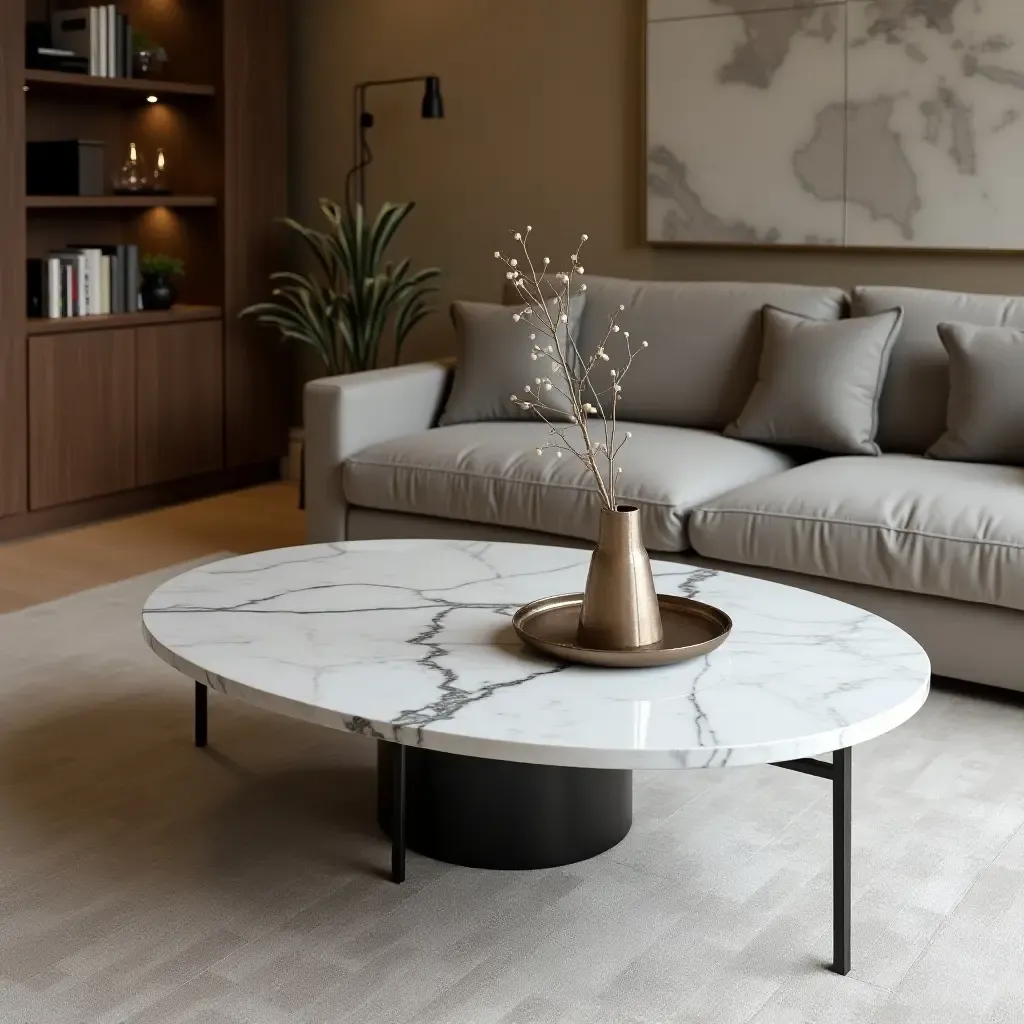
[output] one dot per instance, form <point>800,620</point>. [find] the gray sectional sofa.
<point>935,546</point>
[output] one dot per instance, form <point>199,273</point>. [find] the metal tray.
<point>691,629</point>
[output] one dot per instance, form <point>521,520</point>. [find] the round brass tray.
<point>691,629</point>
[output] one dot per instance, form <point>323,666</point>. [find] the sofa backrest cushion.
<point>704,342</point>
<point>912,413</point>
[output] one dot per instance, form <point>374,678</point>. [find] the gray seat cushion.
<point>912,412</point>
<point>949,529</point>
<point>705,342</point>
<point>490,473</point>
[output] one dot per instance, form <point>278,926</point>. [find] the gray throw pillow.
<point>985,414</point>
<point>494,362</point>
<point>819,382</point>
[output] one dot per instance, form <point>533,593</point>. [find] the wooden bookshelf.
<point>140,202</point>
<point>99,413</point>
<point>72,84</point>
<point>180,314</point>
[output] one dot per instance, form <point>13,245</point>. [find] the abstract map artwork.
<point>876,123</point>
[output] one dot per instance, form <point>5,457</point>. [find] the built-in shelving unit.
<point>102,414</point>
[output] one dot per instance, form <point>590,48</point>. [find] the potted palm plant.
<point>343,307</point>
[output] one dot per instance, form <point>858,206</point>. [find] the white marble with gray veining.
<point>413,640</point>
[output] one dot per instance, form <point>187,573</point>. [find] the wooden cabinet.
<point>180,400</point>
<point>81,390</point>
<point>116,409</point>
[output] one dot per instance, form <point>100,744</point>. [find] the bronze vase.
<point>620,605</point>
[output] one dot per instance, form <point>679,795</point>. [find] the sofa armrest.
<point>345,414</point>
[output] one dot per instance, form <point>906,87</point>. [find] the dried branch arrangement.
<point>586,383</point>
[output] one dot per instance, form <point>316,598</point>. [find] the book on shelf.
<point>84,280</point>
<point>100,34</point>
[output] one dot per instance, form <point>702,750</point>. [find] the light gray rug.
<point>144,881</point>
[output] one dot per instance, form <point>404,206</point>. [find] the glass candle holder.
<point>160,180</point>
<point>133,175</point>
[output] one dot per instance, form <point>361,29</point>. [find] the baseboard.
<point>143,499</point>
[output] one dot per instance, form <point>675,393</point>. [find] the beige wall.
<point>544,122</point>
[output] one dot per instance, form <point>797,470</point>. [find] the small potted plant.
<point>158,269</point>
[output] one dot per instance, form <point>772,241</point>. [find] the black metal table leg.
<point>842,853</point>
<point>200,717</point>
<point>398,815</point>
<point>840,771</point>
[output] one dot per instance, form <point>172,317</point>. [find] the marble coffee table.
<point>488,754</point>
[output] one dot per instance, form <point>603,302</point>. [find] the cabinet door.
<point>81,415</point>
<point>180,374</point>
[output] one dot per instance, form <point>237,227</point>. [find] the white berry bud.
<point>509,275</point>
<point>547,385</point>
<point>564,319</point>
<point>584,237</point>
<point>546,261</point>
<point>629,434</point>
<point>644,344</point>
<point>615,328</point>
<point>614,373</point>
<point>583,287</point>
<point>513,263</point>
<point>533,356</point>
<point>512,398</point>
<point>528,388</point>
<point>621,307</point>
<point>558,455</point>
<point>540,451</point>
<point>518,237</point>
<point>497,255</point>
<point>516,317</point>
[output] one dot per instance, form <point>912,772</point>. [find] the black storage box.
<point>69,167</point>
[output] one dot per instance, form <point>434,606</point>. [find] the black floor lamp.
<point>432,106</point>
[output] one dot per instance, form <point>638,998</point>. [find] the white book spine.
<point>101,33</point>
<point>112,39</point>
<point>105,284</point>
<point>96,272</point>
<point>93,44</point>
<point>85,285</point>
<point>53,283</point>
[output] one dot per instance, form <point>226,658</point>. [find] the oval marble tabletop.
<point>412,641</point>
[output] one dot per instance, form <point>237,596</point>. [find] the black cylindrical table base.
<point>505,815</point>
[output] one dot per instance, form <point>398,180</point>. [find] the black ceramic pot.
<point>157,292</point>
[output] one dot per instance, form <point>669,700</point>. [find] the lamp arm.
<point>361,155</point>
<point>391,81</point>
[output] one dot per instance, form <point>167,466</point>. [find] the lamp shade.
<point>433,104</point>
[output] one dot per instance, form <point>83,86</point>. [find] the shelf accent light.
<point>152,99</point>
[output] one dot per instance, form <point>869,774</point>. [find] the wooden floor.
<point>43,568</point>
